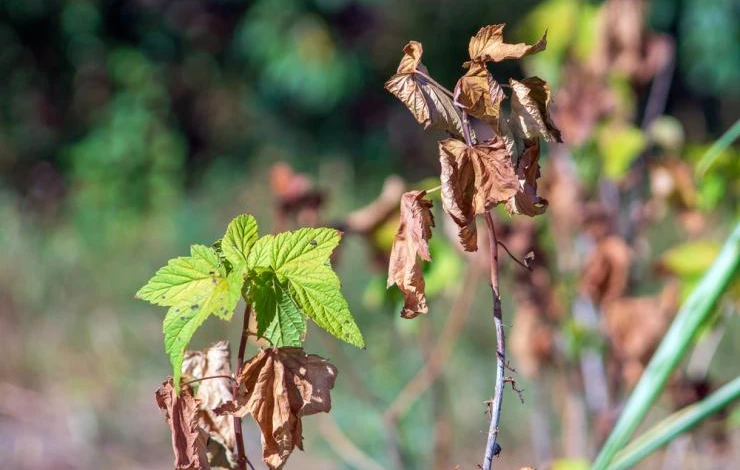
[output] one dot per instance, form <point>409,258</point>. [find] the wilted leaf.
<point>488,46</point>
<point>404,269</point>
<point>529,110</point>
<point>181,414</point>
<point>212,393</point>
<point>430,104</point>
<point>474,180</point>
<point>480,95</point>
<point>280,386</point>
<point>606,273</point>
<point>526,201</point>
<point>300,261</point>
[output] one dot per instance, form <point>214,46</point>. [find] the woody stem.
<point>241,455</point>
<point>492,448</point>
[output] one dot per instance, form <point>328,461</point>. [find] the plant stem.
<point>208,378</point>
<point>492,448</point>
<point>434,82</point>
<point>241,455</point>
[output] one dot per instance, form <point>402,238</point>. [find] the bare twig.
<point>241,457</point>
<point>520,263</point>
<point>492,447</point>
<point>208,378</point>
<point>510,380</point>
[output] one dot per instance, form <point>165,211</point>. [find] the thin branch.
<point>208,378</point>
<point>492,447</point>
<point>431,190</point>
<point>241,456</point>
<point>466,126</point>
<point>510,380</point>
<point>520,263</point>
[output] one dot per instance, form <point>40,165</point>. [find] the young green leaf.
<point>182,320</point>
<point>183,278</point>
<point>240,235</point>
<point>300,261</point>
<point>279,319</point>
<point>195,287</point>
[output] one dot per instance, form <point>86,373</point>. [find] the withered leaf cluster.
<point>475,176</point>
<point>278,387</point>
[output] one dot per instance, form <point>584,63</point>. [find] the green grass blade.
<point>708,159</point>
<point>689,319</point>
<point>674,425</point>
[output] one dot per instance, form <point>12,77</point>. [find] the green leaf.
<point>183,320</point>
<point>279,319</point>
<point>183,278</point>
<point>195,287</point>
<point>300,261</point>
<point>240,235</point>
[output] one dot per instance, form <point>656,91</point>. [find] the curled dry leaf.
<point>412,239</point>
<point>488,45</point>
<point>530,116</point>
<point>474,180</point>
<point>181,414</point>
<point>480,95</point>
<point>526,201</point>
<point>280,386</point>
<point>212,393</point>
<point>430,104</point>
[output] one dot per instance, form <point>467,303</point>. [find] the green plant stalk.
<point>711,155</point>
<point>681,333</point>
<point>674,425</point>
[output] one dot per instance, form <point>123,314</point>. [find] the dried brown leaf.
<point>488,46</point>
<point>412,239</point>
<point>530,116</point>
<point>280,386</point>
<point>430,104</point>
<point>212,393</point>
<point>181,414</point>
<point>526,201</point>
<point>480,94</point>
<point>474,180</point>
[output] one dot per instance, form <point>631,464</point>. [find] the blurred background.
<point>131,129</point>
